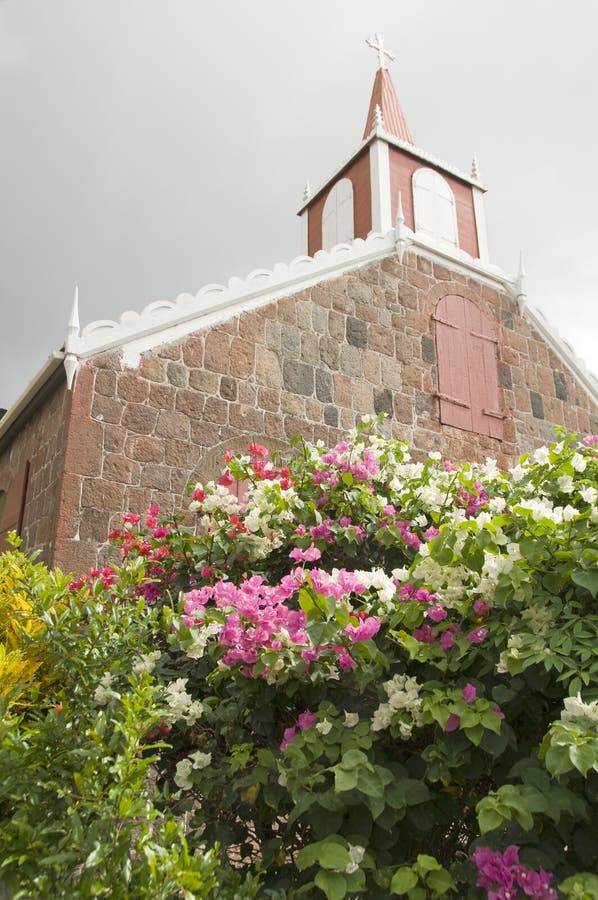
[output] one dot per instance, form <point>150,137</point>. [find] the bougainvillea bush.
<point>372,676</point>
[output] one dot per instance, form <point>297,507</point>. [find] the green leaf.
<point>333,856</point>
<point>403,880</point>
<point>333,884</point>
<point>441,881</point>
<point>345,780</point>
<point>587,580</point>
<point>488,819</point>
<point>583,757</point>
<point>426,864</point>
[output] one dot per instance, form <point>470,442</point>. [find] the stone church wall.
<point>40,443</point>
<point>308,364</point>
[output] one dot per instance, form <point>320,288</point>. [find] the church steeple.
<point>385,97</point>
<point>441,206</point>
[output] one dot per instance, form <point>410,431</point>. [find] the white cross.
<point>377,44</point>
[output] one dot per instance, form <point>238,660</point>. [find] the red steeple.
<point>384,96</point>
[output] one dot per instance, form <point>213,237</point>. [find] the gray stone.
<point>560,385</point>
<point>504,375</point>
<point>176,374</point>
<point>290,340</point>
<point>537,405</point>
<point>330,352</point>
<point>319,318</point>
<point>357,334</point>
<point>351,361</point>
<point>428,349</point>
<point>298,378</point>
<point>331,416</point>
<point>323,386</point>
<point>358,291</point>
<point>383,401</point>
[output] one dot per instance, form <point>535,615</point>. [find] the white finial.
<point>72,327</point>
<point>401,239</point>
<point>307,192</point>
<point>475,169</point>
<point>71,362</point>
<point>378,118</point>
<point>377,44</point>
<point>520,294</point>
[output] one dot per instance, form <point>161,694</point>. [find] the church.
<point>393,307</point>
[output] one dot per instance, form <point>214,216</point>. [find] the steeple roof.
<point>385,98</point>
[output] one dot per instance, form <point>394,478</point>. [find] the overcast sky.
<point>149,147</point>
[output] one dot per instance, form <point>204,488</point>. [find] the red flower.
<point>226,479</point>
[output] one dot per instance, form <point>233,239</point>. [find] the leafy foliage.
<point>369,677</point>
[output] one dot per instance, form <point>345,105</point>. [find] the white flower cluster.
<point>104,693</point>
<point>403,698</point>
<point>447,582</point>
<point>146,662</point>
<point>538,619</point>
<point>543,509</point>
<point>182,705</point>
<point>200,638</point>
<point>378,579</point>
<point>356,854</point>
<point>575,708</point>
<point>197,760</point>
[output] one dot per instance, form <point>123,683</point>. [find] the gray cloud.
<point>151,146</point>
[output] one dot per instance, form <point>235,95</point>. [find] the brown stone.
<point>217,352</point>
<point>152,368</point>
<point>105,383</point>
<point>132,388</point>
<point>170,351</point>
<point>252,327</point>
<point>172,425</point>
<point>145,449</point>
<point>267,368</point>
<point>215,410</point>
<point>246,419</point>
<point>140,419</point>
<point>105,409</point>
<point>99,494</point>
<point>156,477</point>
<point>193,348</point>
<point>162,396</point>
<point>200,380</point>
<point>114,438</point>
<point>190,403</point>
<point>242,358</point>
<point>117,467</point>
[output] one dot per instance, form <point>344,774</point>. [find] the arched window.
<point>468,387</point>
<point>337,216</point>
<point>434,206</point>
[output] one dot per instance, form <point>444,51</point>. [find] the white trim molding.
<point>380,186</point>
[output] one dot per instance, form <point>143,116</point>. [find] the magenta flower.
<point>363,632</point>
<point>480,608</point>
<point>309,555</point>
<point>436,613</point>
<point>447,638</point>
<point>424,635</point>
<point>288,735</point>
<point>478,635</point>
<point>590,439</point>
<point>452,723</point>
<point>501,873</point>
<point>306,719</point>
<point>469,692</point>
<point>431,532</point>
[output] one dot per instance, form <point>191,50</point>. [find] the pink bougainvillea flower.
<point>478,635</point>
<point>591,439</point>
<point>469,693</point>
<point>431,532</point>
<point>447,638</point>
<point>436,613</point>
<point>198,494</point>
<point>480,608</point>
<point>305,719</point>
<point>160,532</point>
<point>257,449</point>
<point>498,712</point>
<point>452,723</point>
<point>363,632</point>
<point>288,735</point>
<point>226,479</point>
<point>228,455</point>
<point>424,635</point>
<point>131,518</point>
<point>309,555</point>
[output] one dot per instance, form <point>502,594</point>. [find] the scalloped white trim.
<point>165,321</point>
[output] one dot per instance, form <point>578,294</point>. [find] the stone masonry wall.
<point>310,364</point>
<point>40,441</point>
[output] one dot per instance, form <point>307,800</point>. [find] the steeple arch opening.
<point>434,207</point>
<point>337,216</point>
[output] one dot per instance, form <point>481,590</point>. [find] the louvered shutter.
<point>451,351</point>
<point>337,215</point>
<point>468,387</point>
<point>486,402</point>
<point>14,505</point>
